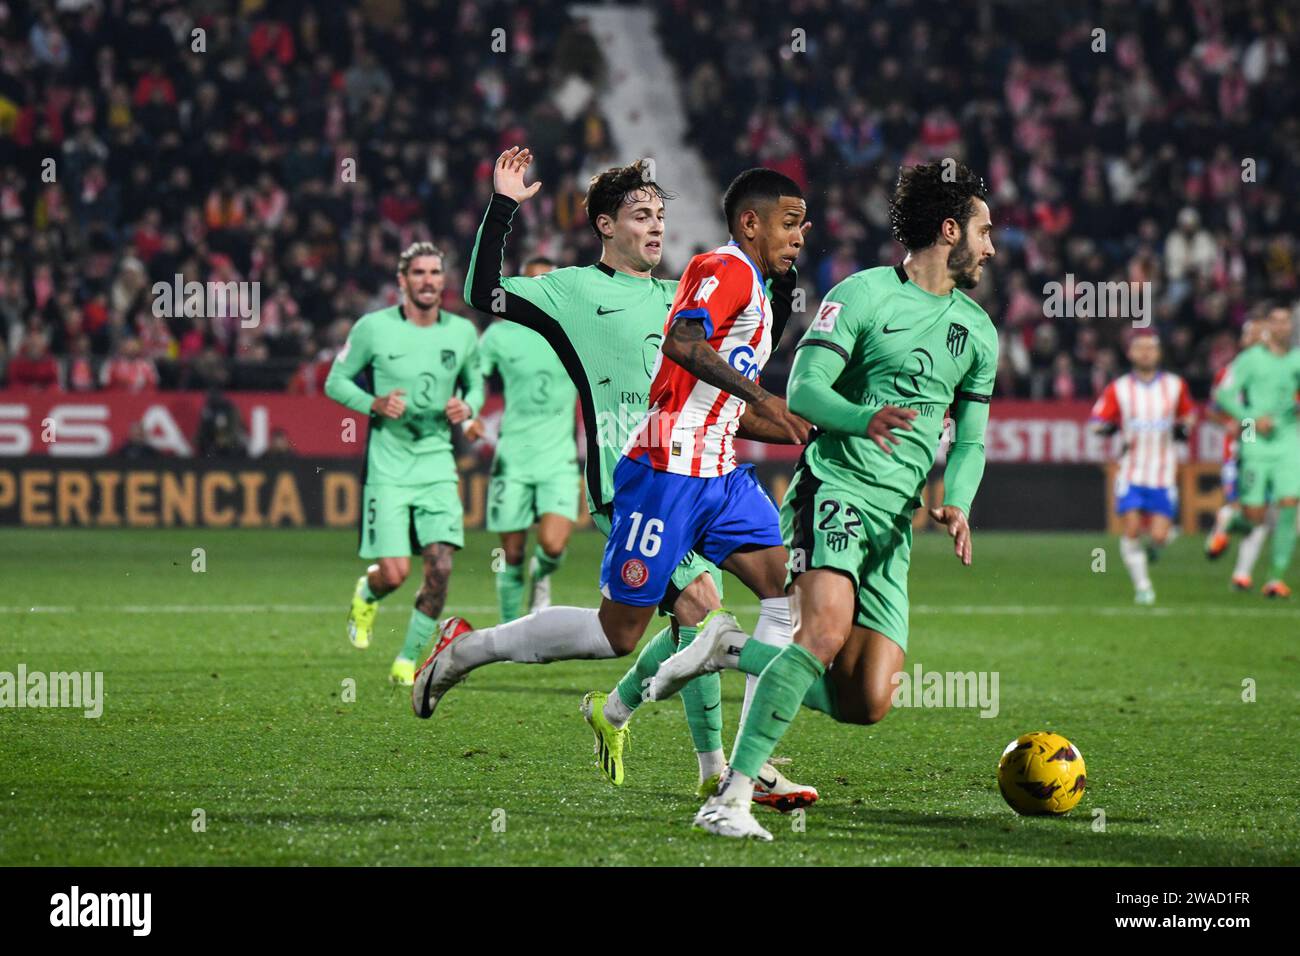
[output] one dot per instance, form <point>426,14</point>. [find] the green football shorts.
<point>1269,479</point>
<point>825,526</point>
<point>515,504</point>
<point>401,520</point>
<point>690,568</point>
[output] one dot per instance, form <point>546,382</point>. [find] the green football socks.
<point>544,564</point>
<point>783,686</point>
<point>418,633</point>
<point>702,699</point>
<point>510,591</point>
<point>1283,541</point>
<point>657,650</point>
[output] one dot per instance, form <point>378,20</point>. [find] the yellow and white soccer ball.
<point>1041,773</point>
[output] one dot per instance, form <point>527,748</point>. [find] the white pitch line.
<point>1012,610</point>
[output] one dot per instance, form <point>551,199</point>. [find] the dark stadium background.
<point>1168,156</point>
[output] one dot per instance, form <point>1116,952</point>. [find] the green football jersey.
<point>906,347</point>
<point>429,363</point>
<point>537,426</point>
<point>613,324</point>
<point>1262,383</point>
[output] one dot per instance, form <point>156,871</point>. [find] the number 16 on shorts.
<point>636,570</point>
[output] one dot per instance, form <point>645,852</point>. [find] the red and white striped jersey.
<point>690,427</point>
<point>1146,413</point>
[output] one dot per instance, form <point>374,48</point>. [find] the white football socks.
<point>736,788</point>
<point>616,712</point>
<point>1222,517</point>
<point>773,628</point>
<point>1249,549</point>
<point>553,634</point>
<point>712,763</point>
<point>1135,559</point>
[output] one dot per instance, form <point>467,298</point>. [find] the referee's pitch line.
<point>937,610</point>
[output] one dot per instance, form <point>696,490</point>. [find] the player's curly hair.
<point>609,191</point>
<point>928,194</point>
<point>413,252</point>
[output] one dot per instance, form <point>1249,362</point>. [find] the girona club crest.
<point>634,572</point>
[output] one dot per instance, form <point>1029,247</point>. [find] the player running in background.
<point>535,468</point>
<point>1229,518</point>
<point>1152,409</point>
<point>889,351</point>
<point>1259,392</point>
<point>605,322</point>
<point>414,355</point>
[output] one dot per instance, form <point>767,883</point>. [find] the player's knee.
<point>696,600</point>
<point>877,708</point>
<point>552,544</point>
<point>623,640</point>
<point>393,573</point>
<point>513,553</point>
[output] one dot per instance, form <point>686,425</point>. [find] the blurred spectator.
<point>136,445</point>
<point>79,368</point>
<point>129,371</point>
<point>279,446</point>
<point>221,432</point>
<point>33,366</point>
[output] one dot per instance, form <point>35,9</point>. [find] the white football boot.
<point>717,645</point>
<point>772,789</point>
<point>730,818</point>
<point>439,673</point>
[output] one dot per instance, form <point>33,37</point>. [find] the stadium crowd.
<point>1164,150</point>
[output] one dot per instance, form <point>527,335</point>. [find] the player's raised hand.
<point>954,519</point>
<point>457,410</point>
<point>881,427</point>
<point>508,176</point>
<point>390,405</point>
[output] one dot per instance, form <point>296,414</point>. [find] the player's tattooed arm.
<point>688,346</point>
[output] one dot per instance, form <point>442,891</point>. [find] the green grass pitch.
<point>224,692</point>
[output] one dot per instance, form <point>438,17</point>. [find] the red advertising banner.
<point>97,424</point>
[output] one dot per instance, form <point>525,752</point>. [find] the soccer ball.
<point>1041,773</point>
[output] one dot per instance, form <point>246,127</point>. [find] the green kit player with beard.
<point>1260,392</point>
<point>605,323</point>
<point>415,356</point>
<point>890,350</point>
<point>535,469</point>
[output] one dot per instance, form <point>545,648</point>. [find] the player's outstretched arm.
<point>812,395</point>
<point>530,302</point>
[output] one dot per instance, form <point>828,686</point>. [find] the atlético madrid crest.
<point>957,335</point>
<point>634,572</point>
<point>449,358</point>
